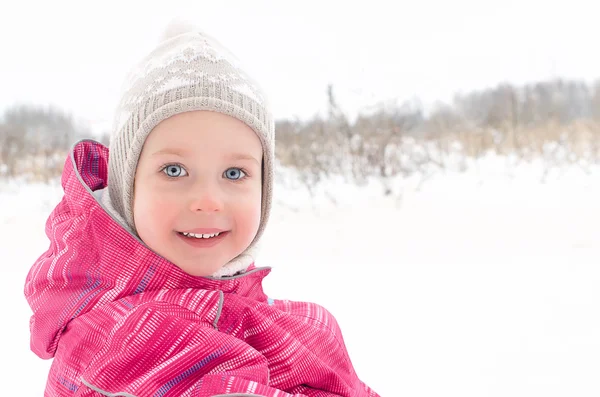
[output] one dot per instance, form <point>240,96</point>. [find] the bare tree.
<point>37,139</point>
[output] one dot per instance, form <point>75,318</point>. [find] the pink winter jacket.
<point>120,320</point>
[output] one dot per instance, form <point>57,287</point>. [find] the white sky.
<point>75,54</point>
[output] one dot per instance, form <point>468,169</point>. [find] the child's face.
<point>199,172</point>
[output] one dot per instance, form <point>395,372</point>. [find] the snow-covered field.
<point>478,284</point>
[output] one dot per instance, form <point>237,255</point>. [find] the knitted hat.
<point>187,71</point>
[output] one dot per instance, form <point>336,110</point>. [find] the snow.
<point>481,283</point>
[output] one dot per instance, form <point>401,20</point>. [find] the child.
<point>149,286</point>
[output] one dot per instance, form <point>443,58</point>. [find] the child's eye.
<point>234,173</point>
<point>174,171</point>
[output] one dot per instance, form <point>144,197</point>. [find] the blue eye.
<point>174,171</point>
<point>234,174</point>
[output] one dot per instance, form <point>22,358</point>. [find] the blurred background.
<point>437,173</point>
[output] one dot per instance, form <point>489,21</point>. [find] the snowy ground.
<point>478,284</point>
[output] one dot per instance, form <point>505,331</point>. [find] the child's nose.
<point>206,199</point>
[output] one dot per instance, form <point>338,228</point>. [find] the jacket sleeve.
<point>162,349</point>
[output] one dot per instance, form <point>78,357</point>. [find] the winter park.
<point>438,200</point>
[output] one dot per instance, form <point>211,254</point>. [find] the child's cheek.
<point>162,201</point>
<point>250,211</point>
<point>154,199</point>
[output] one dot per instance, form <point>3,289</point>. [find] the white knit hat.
<point>187,71</point>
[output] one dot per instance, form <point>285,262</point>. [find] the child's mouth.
<point>202,240</point>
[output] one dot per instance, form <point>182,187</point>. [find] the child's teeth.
<point>194,235</point>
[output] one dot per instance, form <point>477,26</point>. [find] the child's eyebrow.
<point>184,153</point>
<point>177,152</point>
<point>242,156</point>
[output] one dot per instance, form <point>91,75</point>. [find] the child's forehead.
<point>202,126</point>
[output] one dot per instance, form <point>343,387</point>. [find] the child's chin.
<point>199,271</point>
